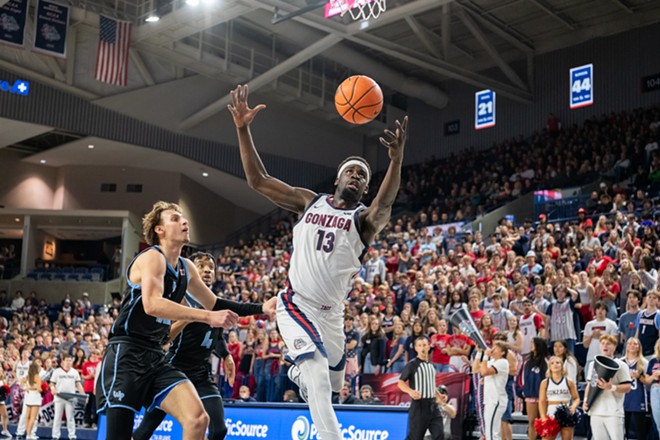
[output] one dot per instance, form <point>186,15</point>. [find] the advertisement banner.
<point>51,24</point>
<point>12,22</point>
<point>292,422</point>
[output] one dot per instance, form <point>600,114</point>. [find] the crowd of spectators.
<point>601,266</point>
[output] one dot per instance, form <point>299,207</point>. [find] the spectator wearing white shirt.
<point>65,379</point>
<point>595,329</point>
<point>374,266</point>
<point>18,302</point>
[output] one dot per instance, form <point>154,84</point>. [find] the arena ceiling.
<point>412,49</point>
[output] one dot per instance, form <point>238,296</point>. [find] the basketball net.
<point>360,9</point>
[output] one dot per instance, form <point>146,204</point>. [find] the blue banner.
<point>484,109</point>
<point>12,22</point>
<point>582,86</point>
<point>293,422</point>
<point>52,20</point>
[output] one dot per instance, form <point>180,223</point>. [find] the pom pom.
<point>4,392</point>
<point>44,388</point>
<point>565,418</point>
<point>547,428</point>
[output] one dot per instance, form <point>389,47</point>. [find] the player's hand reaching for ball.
<point>222,318</point>
<point>395,141</point>
<point>242,114</point>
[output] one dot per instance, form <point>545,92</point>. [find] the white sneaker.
<point>6,434</point>
<point>294,375</point>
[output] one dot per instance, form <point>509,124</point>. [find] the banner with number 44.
<point>582,86</point>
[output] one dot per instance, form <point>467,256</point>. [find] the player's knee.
<point>197,423</point>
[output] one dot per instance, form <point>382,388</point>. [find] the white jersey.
<point>495,385</point>
<point>21,369</point>
<point>65,381</point>
<point>558,391</point>
<point>326,252</point>
<point>529,327</point>
<point>609,403</point>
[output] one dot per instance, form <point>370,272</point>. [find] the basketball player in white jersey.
<point>328,240</point>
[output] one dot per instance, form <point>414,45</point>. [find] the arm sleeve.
<point>407,372</point>
<point>220,348</point>
<point>241,309</point>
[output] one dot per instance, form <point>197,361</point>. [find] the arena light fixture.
<point>152,18</point>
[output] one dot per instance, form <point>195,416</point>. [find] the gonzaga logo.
<point>302,430</point>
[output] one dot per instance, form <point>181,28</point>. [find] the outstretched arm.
<point>282,194</point>
<point>375,217</point>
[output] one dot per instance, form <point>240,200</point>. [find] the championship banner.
<point>52,20</point>
<point>12,22</point>
<point>458,387</point>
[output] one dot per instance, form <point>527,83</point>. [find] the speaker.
<point>462,319</point>
<point>605,368</point>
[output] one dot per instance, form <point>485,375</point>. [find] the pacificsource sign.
<point>291,421</point>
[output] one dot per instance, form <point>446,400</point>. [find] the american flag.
<point>112,54</point>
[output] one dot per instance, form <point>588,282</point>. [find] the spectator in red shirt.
<point>440,342</point>
<point>88,374</point>
<point>608,290</point>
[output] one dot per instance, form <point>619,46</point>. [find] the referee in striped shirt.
<point>420,377</point>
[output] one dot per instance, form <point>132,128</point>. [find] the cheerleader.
<point>4,394</point>
<point>634,404</point>
<point>32,384</point>
<point>556,390</point>
<point>495,373</point>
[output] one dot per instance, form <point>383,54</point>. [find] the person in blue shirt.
<point>531,267</point>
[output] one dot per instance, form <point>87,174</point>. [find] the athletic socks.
<point>315,375</point>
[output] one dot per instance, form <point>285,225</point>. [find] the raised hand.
<point>395,141</point>
<point>242,114</point>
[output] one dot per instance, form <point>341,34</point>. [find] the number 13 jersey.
<point>327,251</point>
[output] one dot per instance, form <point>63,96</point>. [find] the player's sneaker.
<point>294,375</point>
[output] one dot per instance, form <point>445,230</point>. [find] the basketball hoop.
<point>358,9</point>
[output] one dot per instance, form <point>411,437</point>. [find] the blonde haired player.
<point>328,240</point>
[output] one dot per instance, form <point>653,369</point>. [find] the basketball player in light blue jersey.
<point>329,238</point>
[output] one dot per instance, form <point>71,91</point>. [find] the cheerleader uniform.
<point>557,392</point>
<point>33,398</point>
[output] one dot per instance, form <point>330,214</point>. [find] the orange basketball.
<point>359,99</point>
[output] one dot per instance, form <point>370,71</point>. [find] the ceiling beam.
<point>141,67</point>
<point>445,28</point>
<point>623,5</point>
<point>188,21</point>
<point>442,67</point>
<point>260,81</point>
<point>490,48</point>
<point>71,42</point>
<point>423,34</point>
<point>561,18</point>
<point>500,28</point>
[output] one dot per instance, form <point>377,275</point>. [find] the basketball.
<point>359,99</point>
